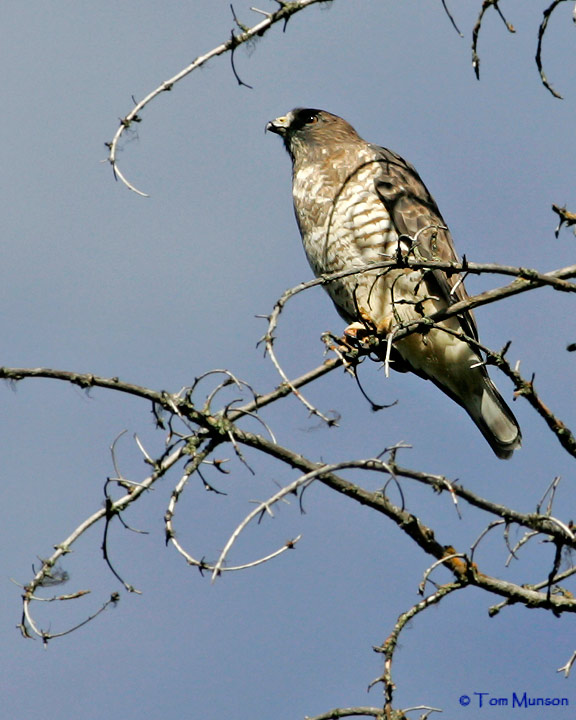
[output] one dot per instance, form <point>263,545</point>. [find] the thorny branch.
<point>282,15</point>
<point>565,218</point>
<point>284,12</point>
<point>476,31</point>
<point>486,4</point>
<point>195,432</point>
<point>541,31</point>
<point>388,648</point>
<point>198,428</point>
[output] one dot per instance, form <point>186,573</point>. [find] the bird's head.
<point>304,128</point>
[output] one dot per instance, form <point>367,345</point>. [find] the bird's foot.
<point>368,325</point>
<point>356,331</point>
<point>360,336</point>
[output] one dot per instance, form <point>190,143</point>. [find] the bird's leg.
<point>360,332</point>
<point>368,334</point>
<point>371,326</point>
<point>385,325</point>
<point>365,326</point>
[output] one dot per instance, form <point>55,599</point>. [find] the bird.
<point>357,204</point>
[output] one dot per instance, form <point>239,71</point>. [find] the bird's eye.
<point>304,117</point>
<point>308,118</point>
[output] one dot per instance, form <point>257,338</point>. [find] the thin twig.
<point>451,18</point>
<point>284,12</point>
<point>291,489</point>
<point>565,218</point>
<point>568,666</point>
<point>476,31</point>
<point>541,30</point>
<point>64,547</point>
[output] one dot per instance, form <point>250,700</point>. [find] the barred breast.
<point>342,188</point>
<point>346,226</point>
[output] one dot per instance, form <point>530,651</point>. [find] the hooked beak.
<point>279,125</point>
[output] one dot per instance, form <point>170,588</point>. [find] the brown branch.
<point>533,521</point>
<point>85,381</point>
<point>359,711</point>
<point>28,624</point>
<point>476,32</point>
<point>451,18</point>
<point>525,389</point>
<point>541,30</point>
<point>463,570</point>
<point>565,218</point>
<point>388,648</point>
<point>284,12</point>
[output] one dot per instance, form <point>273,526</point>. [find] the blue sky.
<point>159,290</point>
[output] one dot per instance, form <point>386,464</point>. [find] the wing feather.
<point>414,213</point>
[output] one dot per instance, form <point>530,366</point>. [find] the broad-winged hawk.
<point>356,204</point>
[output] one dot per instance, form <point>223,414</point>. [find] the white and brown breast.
<point>345,225</point>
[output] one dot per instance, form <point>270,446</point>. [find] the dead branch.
<point>565,218</point>
<point>541,31</point>
<point>284,12</point>
<point>476,32</point>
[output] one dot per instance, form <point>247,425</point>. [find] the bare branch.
<point>532,521</point>
<point>63,548</point>
<point>283,14</point>
<point>565,218</point>
<point>566,668</point>
<point>541,30</point>
<point>291,489</point>
<point>423,536</point>
<point>495,609</point>
<point>476,31</point>
<point>390,645</point>
<point>451,18</point>
<point>359,711</point>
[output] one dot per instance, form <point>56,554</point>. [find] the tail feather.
<point>478,395</point>
<point>495,420</point>
<point>454,368</point>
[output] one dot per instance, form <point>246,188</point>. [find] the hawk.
<point>357,204</point>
